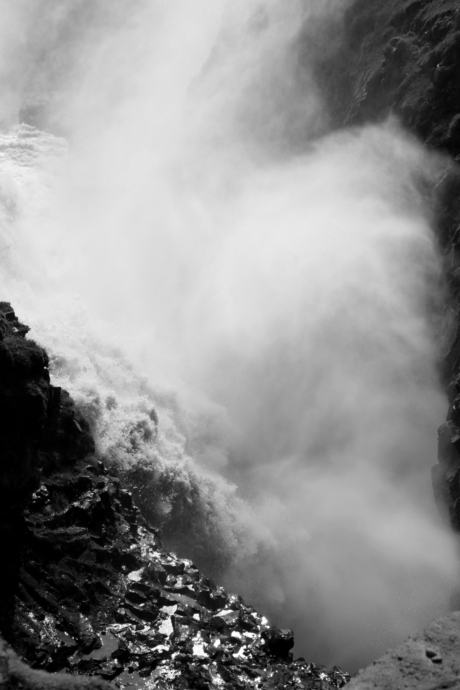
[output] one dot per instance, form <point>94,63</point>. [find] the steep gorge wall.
<point>85,584</point>
<point>402,59</point>
<point>395,57</point>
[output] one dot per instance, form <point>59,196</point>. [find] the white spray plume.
<point>272,281</point>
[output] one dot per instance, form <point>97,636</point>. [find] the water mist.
<point>190,237</point>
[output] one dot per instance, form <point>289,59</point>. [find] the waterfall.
<point>241,299</point>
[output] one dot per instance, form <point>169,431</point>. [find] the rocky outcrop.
<point>40,429</point>
<point>89,588</point>
<point>98,595</point>
<point>397,57</point>
<point>25,399</point>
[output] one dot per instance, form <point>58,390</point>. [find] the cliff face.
<point>402,59</point>
<point>397,57</point>
<point>40,430</point>
<point>86,586</point>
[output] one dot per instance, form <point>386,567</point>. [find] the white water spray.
<point>270,285</point>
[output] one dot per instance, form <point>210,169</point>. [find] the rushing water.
<point>184,233</point>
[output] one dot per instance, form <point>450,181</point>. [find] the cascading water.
<point>191,238</point>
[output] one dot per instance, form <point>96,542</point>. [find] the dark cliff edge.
<point>87,588</point>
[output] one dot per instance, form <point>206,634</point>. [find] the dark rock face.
<point>25,394</point>
<point>39,430</point>
<point>98,595</point>
<point>86,586</point>
<point>24,402</point>
<point>402,58</point>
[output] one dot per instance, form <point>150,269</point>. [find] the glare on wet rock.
<point>160,624</point>
<point>99,596</point>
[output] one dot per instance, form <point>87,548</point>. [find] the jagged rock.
<point>399,57</point>
<point>40,429</point>
<point>91,589</point>
<point>98,595</point>
<point>24,398</point>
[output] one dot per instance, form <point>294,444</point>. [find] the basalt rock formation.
<point>86,586</point>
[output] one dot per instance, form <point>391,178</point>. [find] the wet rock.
<point>99,599</point>
<point>89,588</point>
<point>24,395</point>
<point>399,58</point>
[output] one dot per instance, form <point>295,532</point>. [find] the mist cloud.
<point>271,284</point>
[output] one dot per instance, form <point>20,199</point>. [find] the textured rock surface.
<point>90,590</point>
<point>40,429</point>
<point>98,595</point>
<point>25,395</point>
<point>402,58</point>
<point>429,661</point>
